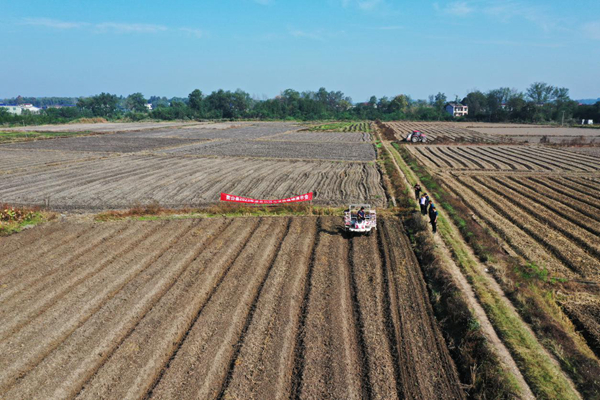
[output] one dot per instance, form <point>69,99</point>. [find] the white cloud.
<point>53,23</point>
<point>128,28</point>
<point>307,35</point>
<point>192,32</point>
<point>459,8</point>
<point>366,5</point>
<point>592,30</point>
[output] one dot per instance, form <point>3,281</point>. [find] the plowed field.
<point>543,201</point>
<point>233,308</point>
<point>120,182</point>
<point>504,158</point>
<point>191,165</point>
<point>441,131</point>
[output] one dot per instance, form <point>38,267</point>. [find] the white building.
<point>149,106</point>
<point>30,108</point>
<point>457,109</point>
<point>17,110</point>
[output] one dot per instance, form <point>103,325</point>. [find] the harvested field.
<point>333,137</point>
<point>234,308</point>
<point>279,149</point>
<point>103,127</point>
<point>503,158</point>
<point>243,131</point>
<point>16,159</point>
<point>441,132</point>
<point>540,134</point>
<point>103,143</point>
<point>122,181</point>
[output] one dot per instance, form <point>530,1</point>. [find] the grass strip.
<point>17,136</point>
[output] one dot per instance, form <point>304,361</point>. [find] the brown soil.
<point>234,308</point>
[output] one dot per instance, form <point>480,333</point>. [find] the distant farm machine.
<point>360,218</point>
<point>416,136</point>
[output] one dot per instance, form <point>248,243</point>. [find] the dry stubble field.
<point>237,308</point>
<point>189,165</point>
<point>544,202</point>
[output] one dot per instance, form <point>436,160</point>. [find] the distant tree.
<point>136,102</point>
<point>102,105</point>
<point>440,101</point>
<point>477,103</point>
<point>540,92</point>
<point>195,101</point>
<point>399,103</point>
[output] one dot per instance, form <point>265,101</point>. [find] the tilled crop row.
<point>573,256</point>
<point>440,131</point>
<point>342,138</point>
<point>501,158</point>
<point>312,150</point>
<point>233,308</point>
<point>121,182</point>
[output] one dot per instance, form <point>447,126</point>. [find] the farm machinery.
<point>360,218</point>
<point>416,136</point>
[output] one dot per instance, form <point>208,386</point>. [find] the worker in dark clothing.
<point>417,191</point>
<point>423,203</point>
<point>431,207</point>
<point>360,215</point>
<point>433,219</point>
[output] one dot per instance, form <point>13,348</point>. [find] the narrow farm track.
<point>275,307</point>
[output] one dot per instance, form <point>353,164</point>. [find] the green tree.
<point>195,101</point>
<point>540,92</point>
<point>136,102</point>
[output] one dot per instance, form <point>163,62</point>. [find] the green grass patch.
<point>15,219</point>
<point>10,136</point>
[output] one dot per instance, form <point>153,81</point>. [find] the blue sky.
<point>361,47</point>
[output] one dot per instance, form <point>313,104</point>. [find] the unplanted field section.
<point>503,158</point>
<point>241,131</point>
<point>103,127</point>
<point>281,149</point>
<point>16,159</point>
<point>335,137</point>
<point>119,143</point>
<point>233,308</point>
<point>440,132</point>
<point>122,181</point>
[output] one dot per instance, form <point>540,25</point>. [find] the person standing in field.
<point>433,215</point>
<point>431,208</point>
<point>423,203</point>
<point>417,191</point>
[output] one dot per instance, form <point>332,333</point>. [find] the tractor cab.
<point>354,221</point>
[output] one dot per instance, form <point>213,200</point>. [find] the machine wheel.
<point>414,139</point>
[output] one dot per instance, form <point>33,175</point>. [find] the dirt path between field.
<point>486,326</point>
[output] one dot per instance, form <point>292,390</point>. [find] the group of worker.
<point>427,207</point>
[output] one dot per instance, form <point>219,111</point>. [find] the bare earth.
<point>234,308</point>
<point>190,165</point>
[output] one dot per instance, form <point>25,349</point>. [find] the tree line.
<point>539,103</point>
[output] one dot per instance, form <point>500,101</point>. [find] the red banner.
<point>247,200</point>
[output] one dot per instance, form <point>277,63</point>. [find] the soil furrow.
<point>213,336</point>
<point>94,342</point>
<point>35,341</point>
<point>133,367</point>
<point>265,364</point>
